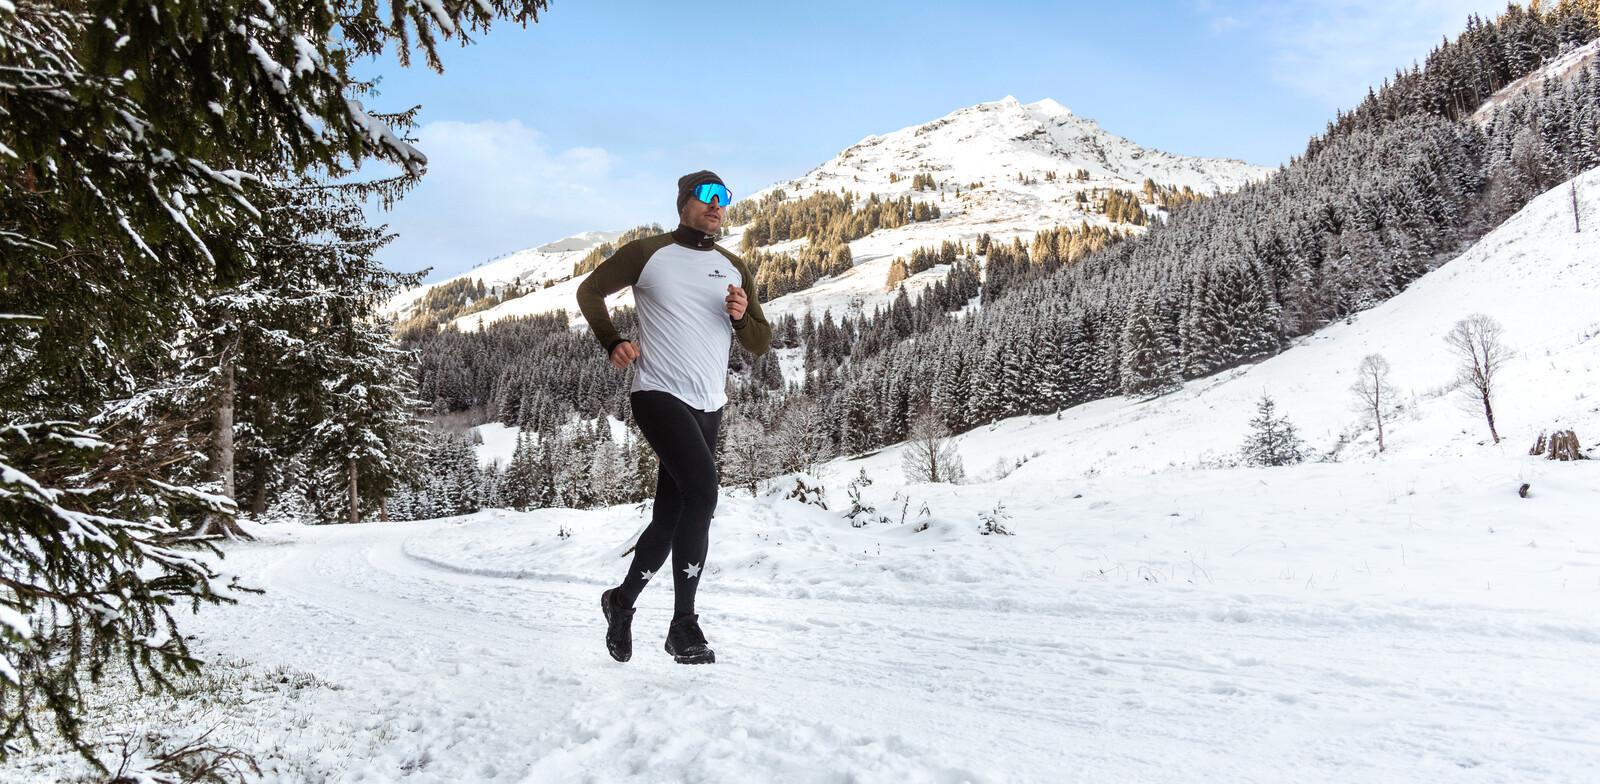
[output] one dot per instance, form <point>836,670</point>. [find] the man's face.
<point>704,217</point>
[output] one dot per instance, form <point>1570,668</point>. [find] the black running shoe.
<point>619,627</point>
<point>687,643</point>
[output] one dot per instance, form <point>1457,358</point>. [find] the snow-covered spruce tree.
<point>521,474</point>
<point>88,574</point>
<point>1149,364</point>
<point>1272,440</point>
<point>291,353</point>
<point>128,133</point>
<point>299,353</point>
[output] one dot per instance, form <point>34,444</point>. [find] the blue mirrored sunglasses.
<point>712,190</point>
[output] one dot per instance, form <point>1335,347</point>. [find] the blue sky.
<point>585,120</point>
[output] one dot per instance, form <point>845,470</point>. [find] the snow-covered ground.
<point>1405,617</point>
<point>1400,622</point>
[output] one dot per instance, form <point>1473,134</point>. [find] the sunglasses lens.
<point>712,190</point>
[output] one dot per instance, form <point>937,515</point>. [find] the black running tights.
<point>685,440</point>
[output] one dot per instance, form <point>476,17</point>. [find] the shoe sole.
<point>709,658</point>
<point>605,609</point>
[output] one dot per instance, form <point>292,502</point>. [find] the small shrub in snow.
<point>994,521</point>
<point>1003,466</point>
<point>1272,440</point>
<point>862,512</point>
<point>807,490</point>
<point>1210,461</point>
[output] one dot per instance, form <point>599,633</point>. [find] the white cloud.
<point>496,187</point>
<point>1334,49</point>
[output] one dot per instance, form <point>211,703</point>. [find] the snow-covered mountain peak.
<point>1049,106</point>
<point>584,241</point>
<point>1032,147</point>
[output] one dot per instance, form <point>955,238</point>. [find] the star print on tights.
<point>693,570</point>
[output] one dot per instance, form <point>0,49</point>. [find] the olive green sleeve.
<point>611,276</point>
<point>753,331</point>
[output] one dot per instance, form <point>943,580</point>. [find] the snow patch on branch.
<point>436,10</point>
<point>276,72</point>
<point>380,135</point>
<point>17,623</point>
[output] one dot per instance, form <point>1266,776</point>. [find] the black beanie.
<point>688,182</point>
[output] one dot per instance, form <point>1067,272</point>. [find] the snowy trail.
<point>443,675</point>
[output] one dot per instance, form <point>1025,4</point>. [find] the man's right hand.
<point>623,354</point>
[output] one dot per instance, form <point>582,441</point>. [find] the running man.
<point>692,298</point>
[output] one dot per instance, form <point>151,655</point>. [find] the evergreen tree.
<point>1149,365</point>
<point>521,474</point>
<point>1272,440</point>
<point>120,208</point>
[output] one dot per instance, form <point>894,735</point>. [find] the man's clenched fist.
<point>624,354</point>
<point>737,302</point>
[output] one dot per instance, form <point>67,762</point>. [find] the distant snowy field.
<point>1402,617</point>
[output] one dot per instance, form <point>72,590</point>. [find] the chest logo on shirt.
<point>716,273</point>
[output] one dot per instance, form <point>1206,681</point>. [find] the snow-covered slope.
<point>1007,146</point>
<point>551,261</point>
<point>1534,274</point>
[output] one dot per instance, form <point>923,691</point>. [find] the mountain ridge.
<point>1008,146</point>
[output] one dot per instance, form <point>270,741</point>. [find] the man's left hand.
<point>737,302</point>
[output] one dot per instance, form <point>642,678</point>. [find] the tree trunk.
<point>355,497</point>
<point>258,501</point>
<point>383,510</point>
<point>1488,413</point>
<point>222,453</point>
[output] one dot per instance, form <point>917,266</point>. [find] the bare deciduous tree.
<point>802,437</point>
<point>746,454</point>
<point>930,454</point>
<point>1476,339</point>
<point>1373,388</point>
